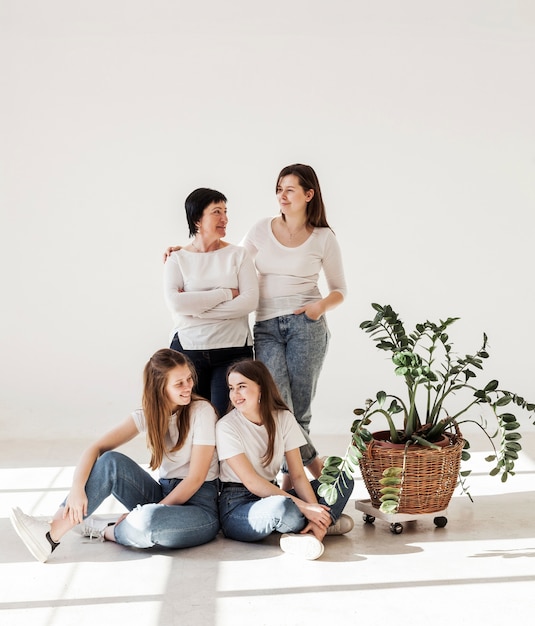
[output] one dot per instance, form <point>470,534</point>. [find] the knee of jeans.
<point>284,506</point>
<point>141,518</point>
<point>136,529</point>
<point>109,460</point>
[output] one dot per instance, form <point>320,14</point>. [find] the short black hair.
<point>195,204</point>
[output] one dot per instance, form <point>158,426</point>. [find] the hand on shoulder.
<point>170,251</point>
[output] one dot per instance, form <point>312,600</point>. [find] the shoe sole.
<point>307,547</point>
<point>27,537</point>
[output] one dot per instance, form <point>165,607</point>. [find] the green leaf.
<point>492,386</point>
<point>513,445</point>
<point>392,471</point>
<point>385,345</point>
<point>366,435</point>
<point>389,507</point>
<point>389,497</point>
<point>326,479</point>
<point>354,455</point>
<point>507,417</point>
<point>390,481</point>
<point>350,468</point>
<point>333,461</point>
<point>385,490</point>
<point>328,493</point>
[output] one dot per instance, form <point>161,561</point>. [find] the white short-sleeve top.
<point>235,434</point>
<point>202,433</point>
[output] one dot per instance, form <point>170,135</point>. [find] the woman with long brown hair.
<point>177,511</point>
<point>291,335</point>
<point>251,442</point>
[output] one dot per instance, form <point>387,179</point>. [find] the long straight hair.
<point>270,398</point>
<point>157,407</point>
<point>308,179</point>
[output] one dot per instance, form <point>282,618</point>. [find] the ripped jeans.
<point>247,517</point>
<point>151,524</point>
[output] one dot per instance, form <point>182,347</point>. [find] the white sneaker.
<point>306,546</point>
<point>343,525</point>
<point>34,533</point>
<point>94,528</point>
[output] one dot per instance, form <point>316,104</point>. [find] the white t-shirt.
<point>201,433</point>
<point>197,291</point>
<point>288,277</point>
<point>235,434</point>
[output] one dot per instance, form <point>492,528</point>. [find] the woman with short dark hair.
<point>210,287</point>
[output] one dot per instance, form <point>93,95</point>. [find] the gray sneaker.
<point>94,528</point>
<point>343,525</point>
<point>35,534</point>
<point>306,545</point>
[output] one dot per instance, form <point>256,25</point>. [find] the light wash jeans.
<point>150,524</point>
<point>293,348</point>
<point>246,517</point>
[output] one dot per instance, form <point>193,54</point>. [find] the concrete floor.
<point>479,569</point>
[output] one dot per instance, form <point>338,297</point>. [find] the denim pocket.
<point>232,497</point>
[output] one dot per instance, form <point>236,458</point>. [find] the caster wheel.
<point>369,519</point>
<point>440,522</point>
<point>396,528</point>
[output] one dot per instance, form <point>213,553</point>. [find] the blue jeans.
<point>246,517</point>
<point>150,524</point>
<point>293,348</point>
<point>211,367</point>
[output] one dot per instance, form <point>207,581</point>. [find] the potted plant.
<point>423,425</point>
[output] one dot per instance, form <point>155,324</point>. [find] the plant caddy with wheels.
<point>411,469</point>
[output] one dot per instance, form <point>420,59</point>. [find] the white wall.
<point>417,116</point>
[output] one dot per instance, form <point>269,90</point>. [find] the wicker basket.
<point>430,475</point>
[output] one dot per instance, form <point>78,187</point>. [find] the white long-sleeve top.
<point>197,291</point>
<point>288,277</point>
